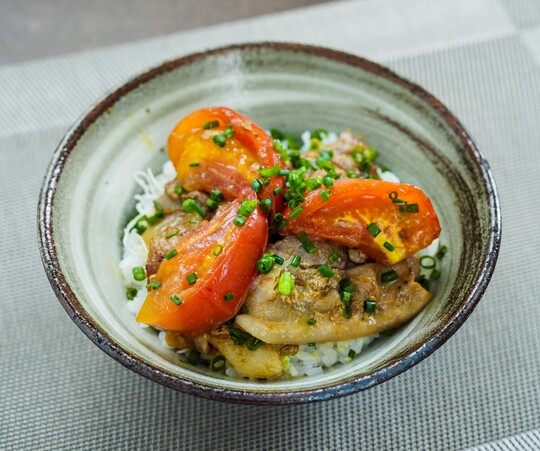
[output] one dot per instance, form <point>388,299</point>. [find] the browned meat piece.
<point>156,236</point>
<point>357,257</point>
<point>263,362</point>
<point>314,312</point>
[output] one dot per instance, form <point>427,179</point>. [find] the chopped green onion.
<point>171,234</point>
<point>296,261</point>
<point>333,258</point>
<point>325,194</point>
<point>306,242</point>
<point>278,217</point>
<point>228,297</point>
<point>373,230</point>
<point>275,133</point>
<point>218,364</point>
<point>140,225</point>
<point>284,172</point>
<point>295,212</point>
<point>326,271</point>
<point>191,278</point>
<point>179,190</point>
<point>176,299</point>
<point>131,293</point>
<point>217,195</point>
<point>219,140</point>
<point>194,357</point>
<point>423,282</point>
<point>278,190</point>
<point>427,262</point>
<point>441,252</point>
<point>239,221</point>
<point>282,225</point>
<point>411,208</point>
<point>393,196</point>
<point>389,276</point>
<point>292,142</point>
<point>265,205</point>
<point>266,263</point>
<point>345,296</point>
<point>238,336</point>
<point>347,310</point>
<point>270,172</point>
<point>210,124</point>
<point>211,204</point>
<point>277,145</point>
<point>256,185</point>
<point>286,283</point>
<point>351,174</point>
<point>311,321</point>
<point>312,344</point>
<point>191,205</point>
<point>279,260</point>
<point>194,164</point>
<point>352,354</point>
<point>139,273</point>
<point>388,246</point>
<point>218,248</point>
<point>247,207</point>
<point>171,254</point>
<point>369,306</point>
<point>313,183</point>
<point>228,133</point>
<point>254,343</point>
<point>319,134</point>
<point>328,181</point>
<point>244,309</point>
<point>154,285</point>
<point>435,274</point>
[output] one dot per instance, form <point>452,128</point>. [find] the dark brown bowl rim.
<point>83,320</point>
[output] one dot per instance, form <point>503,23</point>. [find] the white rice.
<point>309,360</point>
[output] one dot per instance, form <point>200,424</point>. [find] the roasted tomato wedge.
<point>219,148</point>
<point>387,221</point>
<point>205,281</point>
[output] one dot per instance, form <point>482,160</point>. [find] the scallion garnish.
<point>171,234</point>
<point>388,246</point>
<point>278,190</point>
<point>171,254</point>
<point>279,260</point>
<point>270,172</point>
<point>228,297</point>
<point>295,212</point>
<point>139,273</point>
<point>179,190</point>
<point>277,145</point>
<point>435,274</point>
<point>154,285</point>
<point>328,181</point>
<point>389,276</point>
<point>176,299</point>
<point>373,230</point>
<point>211,204</point>
<point>210,124</point>
<point>218,364</point>
<point>278,217</point>
<point>312,344</point>
<point>239,221</point>
<point>266,263</point>
<point>369,306</point>
<point>131,293</point>
<point>217,195</point>
<point>244,310</point>
<point>256,185</point>
<point>194,357</point>
<point>306,242</point>
<point>228,133</point>
<point>238,336</point>
<point>311,321</point>
<point>191,205</point>
<point>191,278</point>
<point>423,281</point>
<point>325,194</point>
<point>194,164</point>
<point>254,343</point>
<point>286,283</point>
<point>296,261</point>
<point>411,208</point>
<point>333,258</point>
<point>427,262</point>
<point>265,205</point>
<point>219,140</point>
<point>351,354</point>
<point>218,248</point>
<point>326,271</point>
<point>441,252</point>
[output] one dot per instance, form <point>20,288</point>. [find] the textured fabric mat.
<point>481,390</point>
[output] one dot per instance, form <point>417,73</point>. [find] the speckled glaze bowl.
<point>87,198</point>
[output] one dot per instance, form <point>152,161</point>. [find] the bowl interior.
<point>283,88</point>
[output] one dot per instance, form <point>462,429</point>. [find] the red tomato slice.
<point>355,204</point>
<point>204,303</point>
<point>202,164</point>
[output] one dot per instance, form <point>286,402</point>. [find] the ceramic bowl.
<point>87,198</point>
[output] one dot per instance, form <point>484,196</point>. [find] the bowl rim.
<point>101,339</point>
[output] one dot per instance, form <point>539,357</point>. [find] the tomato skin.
<point>231,168</point>
<point>203,306</point>
<point>356,203</point>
